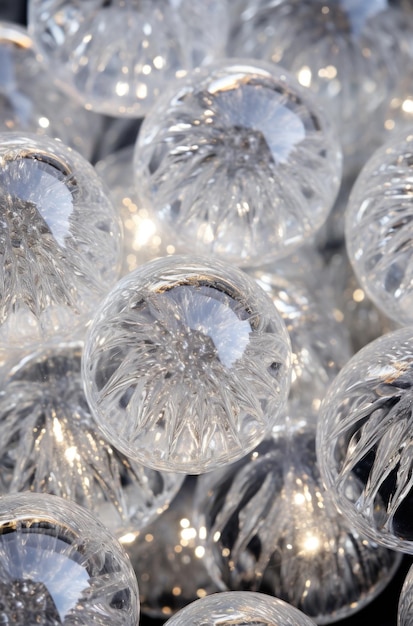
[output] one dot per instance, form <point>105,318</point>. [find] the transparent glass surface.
<point>379,228</point>
<point>59,240</point>
<point>59,566</point>
<point>50,443</point>
<point>270,526</point>
<point>117,56</point>
<point>238,161</point>
<point>405,608</point>
<point>29,101</point>
<point>239,609</point>
<point>170,560</point>
<point>349,53</point>
<point>187,364</point>
<point>365,440</point>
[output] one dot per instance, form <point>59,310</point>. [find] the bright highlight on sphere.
<point>379,228</point>
<point>238,162</point>
<point>116,57</point>
<point>187,364</point>
<point>365,440</point>
<point>59,240</point>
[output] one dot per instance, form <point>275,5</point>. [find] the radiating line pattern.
<point>239,162</point>
<point>59,240</point>
<point>271,527</point>
<point>51,444</point>
<point>365,440</point>
<point>187,364</point>
<point>379,228</point>
<point>65,566</point>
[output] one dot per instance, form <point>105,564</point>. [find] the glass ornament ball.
<point>270,526</point>
<point>405,607</point>
<point>186,365</point>
<point>31,103</point>
<point>50,444</point>
<point>350,54</point>
<point>58,565</point>
<point>365,439</point>
<point>60,240</point>
<point>116,57</point>
<point>239,608</point>
<point>239,162</point>
<point>379,230</point>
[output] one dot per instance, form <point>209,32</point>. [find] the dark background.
<point>383,610</point>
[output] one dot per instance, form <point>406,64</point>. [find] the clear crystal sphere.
<point>59,240</point>
<point>379,229</point>
<point>58,565</point>
<point>271,527</point>
<point>365,440</point>
<point>237,608</point>
<point>50,443</point>
<point>187,364</point>
<point>29,101</point>
<point>349,53</point>
<point>405,608</point>
<point>239,162</point>
<point>169,559</point>
<point>117,56</point>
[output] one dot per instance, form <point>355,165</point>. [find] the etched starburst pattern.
<point>60,566</point>
<point>379,228</point>
<point>365,440</point>
<point>59,240</point>
<point>50,444</point>
<point>270,526</point>
<point>117,56</point>
<point>186,366</point>
<point>239,162</point>
<point>238,608</point>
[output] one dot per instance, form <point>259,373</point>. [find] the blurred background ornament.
<point>349,53</point>
<point>60,241</point>
<point>50,444</point>
<point>58,565</point>
<point>169,558</point>
<point>365,440</point>
<point>186,364</point>
<point>271,526</point>
<point>379,228</point>
<point>239,609</point>
<point>405,609</point>
<point>116,57</point>
<point>238,162</point>
<point>30,102</point>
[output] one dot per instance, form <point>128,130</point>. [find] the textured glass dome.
<point>365,440</point>
<point>379,228</point>
<point>270,526</point>
<point>59,240</point>
<point>187,364</point>
<point>239,162</point>
<point>50,444</point>
<point>239,609</point>
<point>117,56</point>
<point>58,565</point>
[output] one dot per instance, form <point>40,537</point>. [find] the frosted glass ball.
<point>60,240</point>
<point>365,440</point>
<point>30,102</point>
<point>348,53</point>
<point>116,57</point>
<point>379,230</point>
<point>58,565</point>
<point>239,162</point>
<point>236,608</point>
<point>50,444</point>
<point>271,527</point>
<point>405,608</point>
<point>186,364</point>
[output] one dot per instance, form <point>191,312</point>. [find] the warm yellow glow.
<point>407,105</point>
<point>305,76</point>
<point>358,295</point>
<point>71,454</point>
<point>185,523</point>
<point>57,430</point>
<point>199,552</point>
<point>128,538</point>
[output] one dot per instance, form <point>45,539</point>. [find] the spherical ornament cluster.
<point>186,364</point>
<point>238,162</point>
